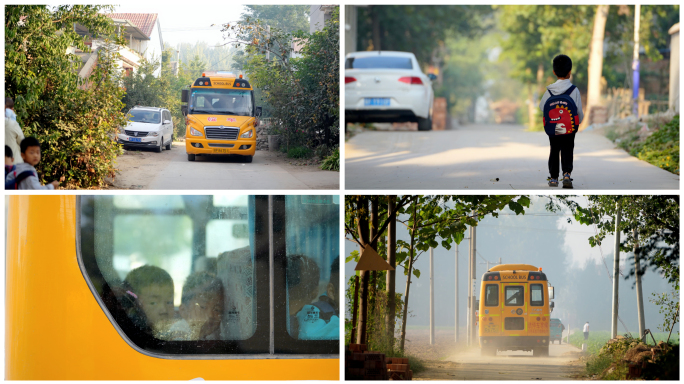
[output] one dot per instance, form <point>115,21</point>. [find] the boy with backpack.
<point>24,175</point>
<point>562,113</point>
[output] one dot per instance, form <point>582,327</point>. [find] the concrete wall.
<point>674,68</point>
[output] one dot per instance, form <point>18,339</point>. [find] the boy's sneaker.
<point>567,181</point>
<point>552,182</point>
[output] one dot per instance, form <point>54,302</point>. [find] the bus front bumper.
<point>202,146</point>
<point>514,343</point>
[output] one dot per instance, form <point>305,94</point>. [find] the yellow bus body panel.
<point>56,330</point>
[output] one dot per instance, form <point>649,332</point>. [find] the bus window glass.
<point>221,101</point>
<point>491,295</point>
<point>536,295</point>
<point>515,295</point>
<point>312,276</point>
<point>181,268</point>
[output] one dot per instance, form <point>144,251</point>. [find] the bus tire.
<point>247,159</point>
<point>488,351</point>
<point>540,351</point>
<point>191,157</point>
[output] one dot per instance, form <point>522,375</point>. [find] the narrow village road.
<point>146,169</point>
<point>474,156</point>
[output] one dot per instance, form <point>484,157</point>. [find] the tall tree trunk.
<point>362,224</point>
<point>372,293</point>
<point>412,253</point>
<point>391,275</point>
<point>374,11</point>
<point>595,63</point>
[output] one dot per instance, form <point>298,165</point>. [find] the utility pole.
<point>640,297</point>
<point>473,265</point>
<point>635,62</point>
<point>456,296</point>
<point>470,287</point>
<point>616,271</point>
<point>432,299</point>
<point>391,275</point>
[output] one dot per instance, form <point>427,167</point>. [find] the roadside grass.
<point>332,162</point>
<point>299,153</point>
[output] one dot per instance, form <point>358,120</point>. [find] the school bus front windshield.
<point>217,101</point>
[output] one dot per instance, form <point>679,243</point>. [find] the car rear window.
<point>379,62</point>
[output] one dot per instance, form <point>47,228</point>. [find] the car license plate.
<point>377,101</point>
<point>135,139</point>
<point>215,150</point>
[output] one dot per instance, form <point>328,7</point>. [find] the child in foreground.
<point>24,175</point>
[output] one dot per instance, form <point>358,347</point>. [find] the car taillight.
<point>348,80</point>
<point>411,80</point>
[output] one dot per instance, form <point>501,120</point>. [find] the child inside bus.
<point>302,288</point>
<point>328,323</point>
<point>201,308</point>
<point>152,287</point>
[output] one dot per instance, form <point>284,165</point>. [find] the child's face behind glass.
<point>204,310</point>
<point>157,303</point>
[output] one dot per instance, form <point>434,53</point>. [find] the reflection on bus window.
<point>536,295</point>
<point>515,295</point>
<point>181,267</point>
<point>492,295</point>
<point>312,238</point>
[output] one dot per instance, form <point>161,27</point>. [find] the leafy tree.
<point>74,118</point>
<point>287,18</point>
<point>649,223</point>
<point>143,88</point>
<point>303,93</point>
<point>427,218</point>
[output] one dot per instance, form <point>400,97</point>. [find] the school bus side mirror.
<point>258,111</point>
<point>551,293</point>
<point>551,306</point>
<point>184,95</point>
<point>184,110</point>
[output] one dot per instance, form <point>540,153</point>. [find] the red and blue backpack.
<point>560,114</point>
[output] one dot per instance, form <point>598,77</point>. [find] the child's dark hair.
<point>335,269</point>
<point>147,275</point>
<point>302,270</point>
<point>29,142</point>
<point>8,151</point>
<point>200,283</point>
<point>562,65</point>
<point>9,103</point>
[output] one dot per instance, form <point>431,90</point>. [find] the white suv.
<point>147,127</point>
<point>386,86</point>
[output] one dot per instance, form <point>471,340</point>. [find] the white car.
<point>387,86</point>
<point>148,127</point>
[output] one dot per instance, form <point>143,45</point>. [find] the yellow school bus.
<point>514,310</point>
<point>66,315</point>
<point>220,116</point>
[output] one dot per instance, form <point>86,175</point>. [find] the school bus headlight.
<point>195,132</point>
<point>248,134</point>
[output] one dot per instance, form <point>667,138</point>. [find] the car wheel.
<point>168,146</point>
<point>191,157</point>
<point>161,146</point>
<point>247,159</point>
<point>424,124</point>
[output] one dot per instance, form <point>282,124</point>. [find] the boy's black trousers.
<point>563,144</point>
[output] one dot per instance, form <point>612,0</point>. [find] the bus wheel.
<point>540,351</point>
<point>247,159</point>
<point>191,157</point>
<point>488,351</point>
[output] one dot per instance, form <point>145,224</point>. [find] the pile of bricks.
<point>362,364</point>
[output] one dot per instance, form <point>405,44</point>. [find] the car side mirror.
<point>432,76</point>
<point>184,110</point>
<point>167,121</point>
<point>258,111</point>
<point>184,95</point>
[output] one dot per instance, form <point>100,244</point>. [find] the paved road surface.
<point>562,364</point>
<point>171,170</point>
<point>471,156</point>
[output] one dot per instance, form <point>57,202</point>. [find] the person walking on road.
<point>561,108</point>
<point>586,331</point>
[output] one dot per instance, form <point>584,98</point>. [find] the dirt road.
<point>145,169</point>
<point>495,156</point>
<point>446,360</point>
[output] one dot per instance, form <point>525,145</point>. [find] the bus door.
<point>538,324</point>
<point>514,309</point>
<point>490,315</point>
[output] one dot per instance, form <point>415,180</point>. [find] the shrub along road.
<point>474,156</point>
<point>146,169</point>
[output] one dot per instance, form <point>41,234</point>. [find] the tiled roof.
<point>144,21</point>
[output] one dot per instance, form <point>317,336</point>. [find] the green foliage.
<point>662,147</point>
<point>74,118</point>
<point>143,88</point>
<point>421,29</point>
<point>299,153</point>
<point>287,18</point>
<point>654,219</point>
<point>302,93</point>
<point>669,308</point>
<point>332,162</point>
